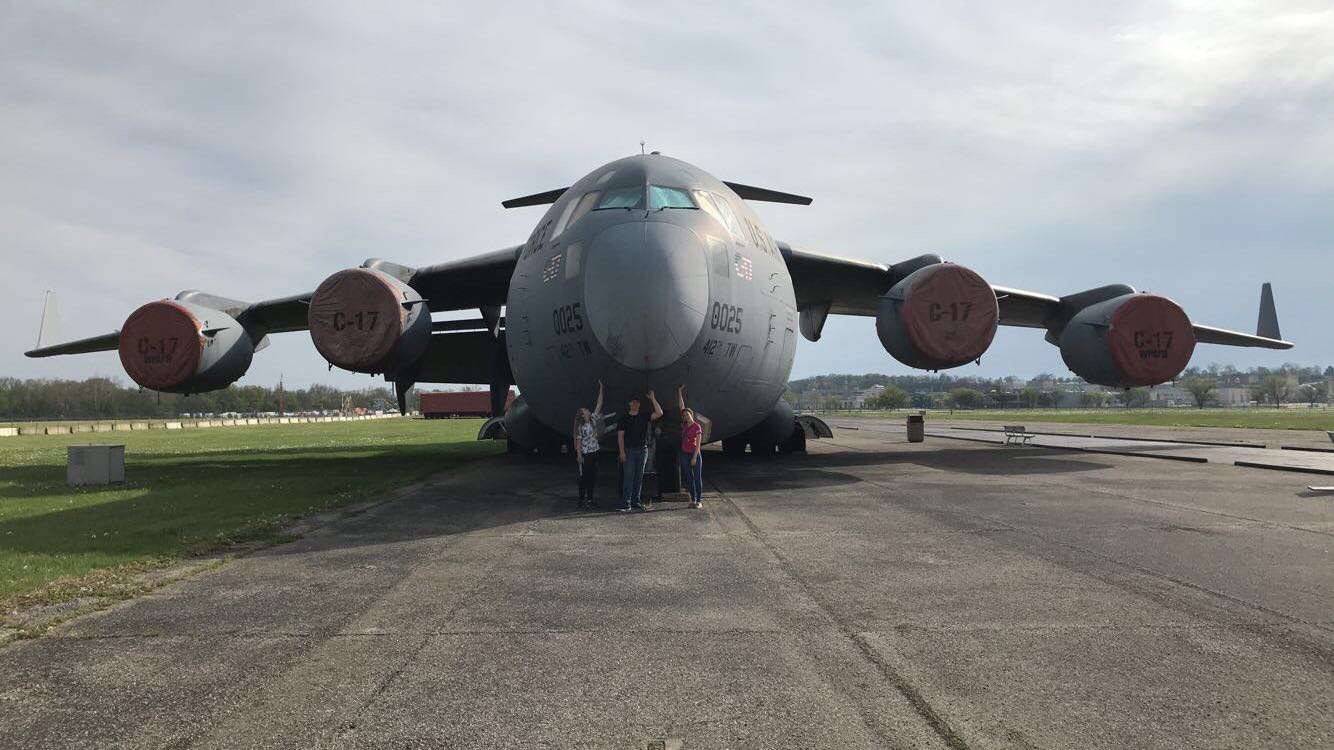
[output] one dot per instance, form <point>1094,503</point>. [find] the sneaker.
<point>639,507</point>
<point>625,509</point>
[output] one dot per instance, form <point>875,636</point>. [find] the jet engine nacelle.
<point>940,316</point>
<point>365,320</point>
<point>1131,340</point>
<point>179,347</point>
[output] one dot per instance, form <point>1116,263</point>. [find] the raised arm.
<point>657,408</point>
<point>680,397</point>
<point>597,407</point>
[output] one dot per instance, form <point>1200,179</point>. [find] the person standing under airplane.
<point>692,462</point>
<point>587,431</point>
<point>632,440</point>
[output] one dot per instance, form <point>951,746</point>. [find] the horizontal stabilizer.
<point>536,199</point>
<point>752,193</point>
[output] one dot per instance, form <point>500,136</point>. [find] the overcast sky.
<point>1183,148</point>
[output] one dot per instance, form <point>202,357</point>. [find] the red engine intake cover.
<point>1151,339</point>
<point>950,314</point>
<point>356,319</point>
<point>161,345</point>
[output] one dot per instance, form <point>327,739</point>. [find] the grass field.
<point>1275,419</point>
<point>189,492</point>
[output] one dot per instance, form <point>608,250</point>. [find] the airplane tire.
<point>795,443</point>
<point>763,447</point>
<point>733,447</point>
<point>549,448</point>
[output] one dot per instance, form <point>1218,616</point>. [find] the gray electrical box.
<point>95,464</point>
<point>916,428</point>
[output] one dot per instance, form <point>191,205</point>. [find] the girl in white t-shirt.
<point>587,431</point>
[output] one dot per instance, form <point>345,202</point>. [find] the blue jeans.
<point>692,476</point>
<point>635,459</point>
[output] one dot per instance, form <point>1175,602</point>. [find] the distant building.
<point>1233,395</point>
<point>860,398</point>
<point>1170,394</point>
<point>448,404</point>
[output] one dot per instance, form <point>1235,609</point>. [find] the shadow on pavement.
<point>489,492</point>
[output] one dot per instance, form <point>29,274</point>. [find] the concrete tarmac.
<point>870,594</point>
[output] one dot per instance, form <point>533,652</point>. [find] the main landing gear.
<point>793,443</point>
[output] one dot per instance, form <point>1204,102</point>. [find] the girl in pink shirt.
<point>692,463</point>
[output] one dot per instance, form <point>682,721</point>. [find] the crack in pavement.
<point>933,718</point>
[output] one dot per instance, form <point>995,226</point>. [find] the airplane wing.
<point>104,343</point>
<point>827,284</point>
<point>260,318</point>
<point>466,358</point>
<point>845,285</point>
<point>481,281</point>
<point>1037,310</point>
<point>1212,335</point>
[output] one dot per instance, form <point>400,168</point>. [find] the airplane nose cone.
<point>646,287</point>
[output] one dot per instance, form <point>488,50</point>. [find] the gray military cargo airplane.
<point>649,273</point>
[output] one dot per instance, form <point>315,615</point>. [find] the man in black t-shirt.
<point>632,440</point>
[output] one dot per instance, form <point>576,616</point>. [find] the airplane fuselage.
<point>649,274</point>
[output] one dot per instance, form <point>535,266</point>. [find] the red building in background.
<point>451,404</point>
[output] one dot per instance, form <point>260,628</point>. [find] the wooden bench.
<point>1015,434</point>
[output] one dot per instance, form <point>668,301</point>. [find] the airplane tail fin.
<point>1267,325</point>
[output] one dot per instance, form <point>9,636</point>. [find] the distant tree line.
<point>104,398</point>
<point>1288,384</point>
<point>1272,386</point>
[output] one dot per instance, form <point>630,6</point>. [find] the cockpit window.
<point>577,209</point>
<point>668,197</point>
<point>718,208</point>
<point>564,218</point>
<point>627,197</point>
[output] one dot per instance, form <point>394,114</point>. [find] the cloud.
<point>251,150</point>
